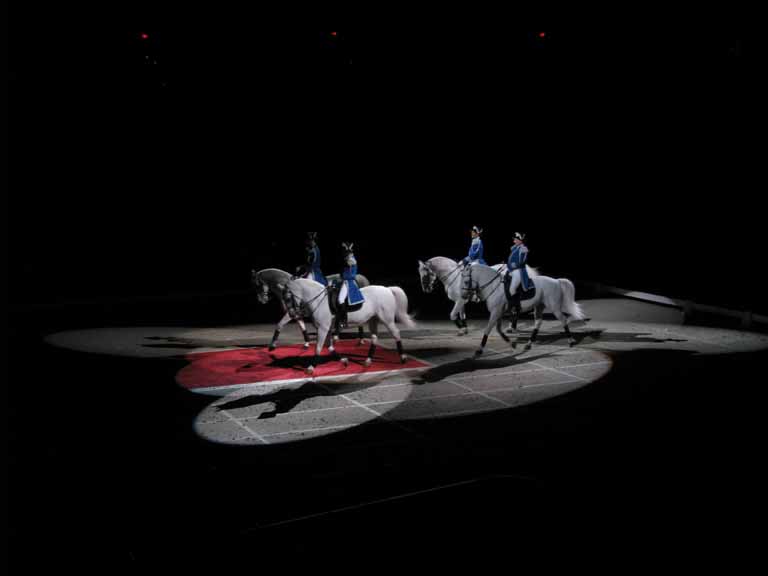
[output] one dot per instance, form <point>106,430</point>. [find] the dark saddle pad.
<point>524,294</point>
<point>528,294</point>
<point>333,297</point>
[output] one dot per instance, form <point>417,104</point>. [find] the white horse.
<point>271,282</point>
<point>385,304</point>
<point>449,273</point>
<point>362,282</point>
<point>558,295</point>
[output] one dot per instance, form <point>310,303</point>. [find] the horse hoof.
<point>571,343</point>
<point>478,353</point>
<point>527,347</point>
<point>361,342</point>
<point>368,361</point>
<point>335,338</point>
<point>306,345</point>
<point>271,348</point>
<point>403,359</point>
<point>345,361</point>
<point>310,370</point>
<point>331,349</point>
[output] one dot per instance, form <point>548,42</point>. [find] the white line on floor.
<point>251,433</point>
<point>362,505</point>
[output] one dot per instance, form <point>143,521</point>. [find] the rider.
<point>517,261</point>
<point>350,293</point>
<point>313,259</point>
<point>475,249</point>
<point>475,255</point>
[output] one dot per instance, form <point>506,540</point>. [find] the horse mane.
<point>449,260</point>
<point>309,281</point>
<point>273,271</point>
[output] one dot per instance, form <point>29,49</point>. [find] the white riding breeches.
<point>343,292</point>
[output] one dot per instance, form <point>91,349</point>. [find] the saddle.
<point>333,297</point>
<point>527,294</point>
<point>521,293</point>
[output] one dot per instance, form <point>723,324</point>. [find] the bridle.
<point>434,276</point>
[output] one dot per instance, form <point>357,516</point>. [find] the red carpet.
<point>251,365</point>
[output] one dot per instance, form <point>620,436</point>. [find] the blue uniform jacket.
<point>354,296</point>
<point>313,261</point>
<point>475,252</point>
<point>517,259</point>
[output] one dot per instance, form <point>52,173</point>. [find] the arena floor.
<point>158,436</point>
<point>266,398</point>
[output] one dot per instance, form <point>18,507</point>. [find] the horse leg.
<point>456,316</point>
<point>538,315</point>
<point>331,338</point>
<point>360,336</point>
<point>395,331</point>
<point>283,321</point>
<point>334,333</point>
<point>304,333</point>
<point>322,333</point>
<point>564,321</point>
<point>501,333</point>
<point>373,326</point>
<point>495,319</point>
<point>273,342</point>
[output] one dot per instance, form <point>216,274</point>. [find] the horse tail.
<point>401,313</point>
<point>570,306</point>
<point>532,272</point>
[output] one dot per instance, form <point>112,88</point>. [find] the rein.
<point>444,278</point>
<point>323,293</point>
<point>479,288</point>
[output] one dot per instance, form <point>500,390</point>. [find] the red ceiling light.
<point>144,36</point>
<point>542,34</point>
<point>334,33</point>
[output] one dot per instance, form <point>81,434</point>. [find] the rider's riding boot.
<point>507,282</point>
<point>341,316</point>
<point>516,302</point>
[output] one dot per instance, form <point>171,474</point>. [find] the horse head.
<point>263,293</point>
<point>428,277</point>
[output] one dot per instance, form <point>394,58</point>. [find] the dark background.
<point>622,143</point>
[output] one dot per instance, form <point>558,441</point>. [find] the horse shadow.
<point>465,365</point>
<point>427,353</point>
<point>596,336</point>
<point>286,400</point>
<point>305,361</point>
<point>194,343</point>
